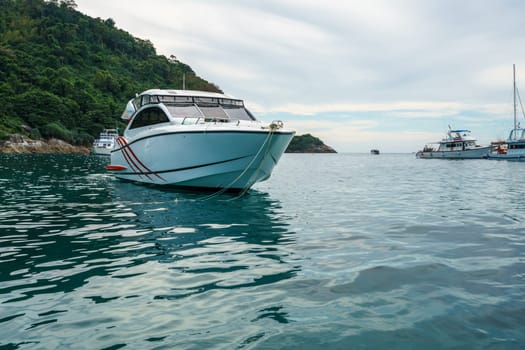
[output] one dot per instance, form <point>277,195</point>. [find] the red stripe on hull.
<point>131,157</point>
<point>115,167</point>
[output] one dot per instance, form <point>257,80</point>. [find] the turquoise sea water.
<point>339,251</point>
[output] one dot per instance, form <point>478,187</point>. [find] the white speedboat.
<point>196,139</point>
<point>105,142</point>
<point>514,147</point>
<point>458,144</point>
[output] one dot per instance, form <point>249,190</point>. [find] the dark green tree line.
<point>66,74</point>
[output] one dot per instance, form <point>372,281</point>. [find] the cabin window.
<point>168,99</point>
<point>206,100</point>
<point>215,113</point>
<point>136,104</point>
<point>228,102</point>
<point>149,116</point>
<point>209,108</point>
<point>184,111</point>
<point>237,113</point>
<point>147,99</point>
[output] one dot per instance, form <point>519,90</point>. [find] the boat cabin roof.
<point>191,103</point>
<point>182,98</point>
<point>193,93</point>
<point>458,135</point>
<point>185,97</point>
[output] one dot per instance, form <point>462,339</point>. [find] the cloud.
<point>415,66</point>
<point>363,135</point>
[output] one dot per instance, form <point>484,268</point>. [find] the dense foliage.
<point>64,74</point>
<point>304,143</point>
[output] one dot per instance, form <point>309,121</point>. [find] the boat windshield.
<point>210,108</point>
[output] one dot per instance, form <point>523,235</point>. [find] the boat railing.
<point>170,99</point>
<point>209,114</point>
<point>203,120</point>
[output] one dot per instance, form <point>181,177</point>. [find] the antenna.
<point>514,79</point>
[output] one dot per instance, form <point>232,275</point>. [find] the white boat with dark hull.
<point>514,147</point>
<point>196,139</point>
<point>459,144</point>
<point>105,142</point>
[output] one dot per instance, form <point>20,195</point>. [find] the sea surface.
<point>334,251</point>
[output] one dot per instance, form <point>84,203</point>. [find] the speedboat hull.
<point>232,159</point>
<point>196,139</point>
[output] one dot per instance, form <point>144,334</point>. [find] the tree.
<point>61,67</point>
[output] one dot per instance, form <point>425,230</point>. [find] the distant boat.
<point>458,144</point>
<point>514,147</point>
<point>105,142</point>
<point>198,139</point>
<point>374,151</point>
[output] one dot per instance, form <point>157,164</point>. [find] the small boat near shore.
<point>196,139</point>
<point>458,144</point>
<point>514,147</point>
<point>105,142</point>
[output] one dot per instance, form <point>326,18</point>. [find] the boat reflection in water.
<point>220,241</point>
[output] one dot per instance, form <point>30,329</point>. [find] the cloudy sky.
<point>387,74</point>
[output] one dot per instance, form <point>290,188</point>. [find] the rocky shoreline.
<point>17,144</point>
<point>313,149</point>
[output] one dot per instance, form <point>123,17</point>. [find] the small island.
<point>308,144</point>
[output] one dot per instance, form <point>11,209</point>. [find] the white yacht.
<point>514,147</point>
<point>105,142</point>
<point>196,139</point>
<point>458,144</point>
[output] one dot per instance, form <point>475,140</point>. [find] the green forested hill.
<point>64,74</point>
<point>308,144</point>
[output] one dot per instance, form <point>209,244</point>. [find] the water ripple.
<point>335,251</point>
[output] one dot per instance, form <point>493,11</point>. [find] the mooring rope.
<point>256,172</point>
<point>266,142</point>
